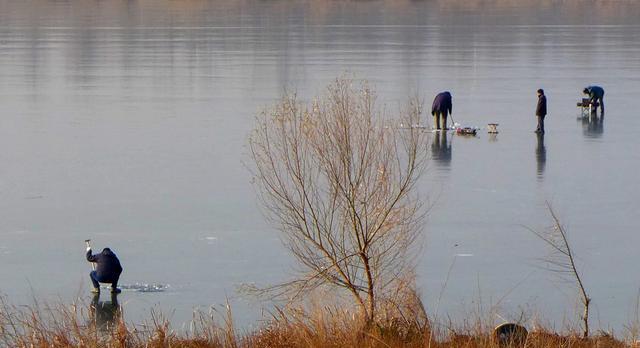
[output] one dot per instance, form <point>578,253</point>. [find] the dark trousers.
<point>595,101</point>
<point>540,128</point>
<point>440,120</point>
<point>97,280</point>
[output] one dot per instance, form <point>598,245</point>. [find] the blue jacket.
<point>442,103</point>
<point>595,92</point>
<point>108,265</point>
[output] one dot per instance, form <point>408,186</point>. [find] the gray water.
<point>126,123</point>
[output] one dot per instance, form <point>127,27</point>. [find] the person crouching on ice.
<point>107,269</point>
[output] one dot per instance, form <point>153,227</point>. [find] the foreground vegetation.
<point>79,326</point>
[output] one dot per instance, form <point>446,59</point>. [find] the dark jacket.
<point>541,109</point>
<point>595,92</point>
<point>108,265</point>
<point>442,104</point>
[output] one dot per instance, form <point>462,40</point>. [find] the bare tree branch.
<point>562,261</point>
<point>339,183</point>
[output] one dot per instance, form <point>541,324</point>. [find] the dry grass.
<point>75,326</point>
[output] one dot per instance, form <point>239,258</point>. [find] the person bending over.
<point>442,106</point>
<point>596,95</point>
<point>107,270</point>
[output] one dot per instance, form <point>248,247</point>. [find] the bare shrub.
<point>561,261</point>
<point>338,180</point>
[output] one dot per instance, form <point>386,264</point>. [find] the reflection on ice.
<point>541,156</point>
<point>105,313</point>
<point>441,150</point>
<point>592,125</point>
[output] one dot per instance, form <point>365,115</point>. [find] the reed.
<point>71,325</point>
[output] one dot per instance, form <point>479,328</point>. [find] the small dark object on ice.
<point>586,106</point>
<point>466,131</point>
<point>586,102</point>
<point>510,334</point>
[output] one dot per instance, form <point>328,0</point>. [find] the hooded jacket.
<point>442,103</point>
<point>108,265</point>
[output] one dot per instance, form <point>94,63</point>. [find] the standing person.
<point>541,111</point>
<point>596,95</point>
<point>107,270</point>
<point>442,107</point>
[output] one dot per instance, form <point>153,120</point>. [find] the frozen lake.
<point>126,122</point>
